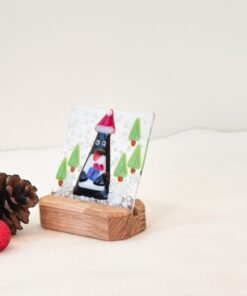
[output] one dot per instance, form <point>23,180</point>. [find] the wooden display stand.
<point>91,219</point>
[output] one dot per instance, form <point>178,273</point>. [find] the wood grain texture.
<point>90,219</point>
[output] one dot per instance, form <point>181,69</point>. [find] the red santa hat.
<point>106,124</point>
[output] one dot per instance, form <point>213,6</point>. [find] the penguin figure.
<point>94,178</point>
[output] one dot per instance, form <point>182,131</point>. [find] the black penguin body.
<point>94,178</point>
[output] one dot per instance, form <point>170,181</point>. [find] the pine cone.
<point>16,197</point>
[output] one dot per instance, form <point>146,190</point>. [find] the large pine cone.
<point>16,197</point>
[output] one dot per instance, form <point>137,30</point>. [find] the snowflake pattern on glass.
<point>104,156</point>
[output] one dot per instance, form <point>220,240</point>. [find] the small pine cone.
<point>16,197</point>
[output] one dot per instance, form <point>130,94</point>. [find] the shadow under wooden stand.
<point>91,219</point>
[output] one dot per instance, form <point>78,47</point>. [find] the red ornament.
<point>5,235</point>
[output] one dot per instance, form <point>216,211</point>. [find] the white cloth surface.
<point>194,187</point>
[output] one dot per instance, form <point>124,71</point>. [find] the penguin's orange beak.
<point>98,153</point>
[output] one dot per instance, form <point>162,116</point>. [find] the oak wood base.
<point>91,219</point>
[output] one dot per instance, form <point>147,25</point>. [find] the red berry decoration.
<point>5,235</point>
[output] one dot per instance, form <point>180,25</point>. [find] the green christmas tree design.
<point>135,133</point>
<point>62,172</point>
<point>134,162</point>
<point>121,170</point>
<point>74,159</point>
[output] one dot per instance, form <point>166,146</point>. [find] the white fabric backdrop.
<point>194,188</point>
<point>184,60</point>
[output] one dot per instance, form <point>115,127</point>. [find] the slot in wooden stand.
<point>91,219</point>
